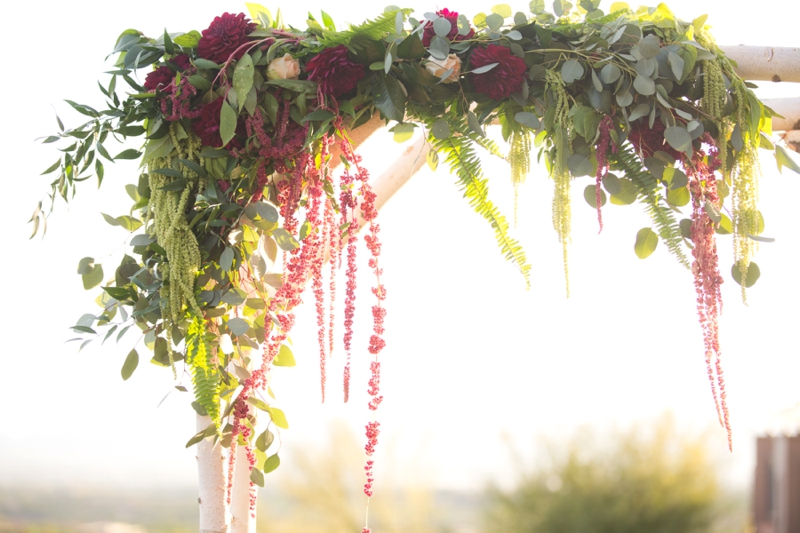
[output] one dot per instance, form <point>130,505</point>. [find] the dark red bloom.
<point>206,126</point>
<point>160,78</point>
<point>224,36</point>
<point>452,18</point>
<point>502,80</point>
<point>334,72</point>
<point>651,140</point>
<point>181,62</point>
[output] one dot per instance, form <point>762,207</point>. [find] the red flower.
<point>224,36</point>
<point>160,78</point>
<point>452,18</point>
<point>502,80</point>
<point>181,62</point>
<point>206,126</point>
<point>650,140</point>
<point>334,72</point>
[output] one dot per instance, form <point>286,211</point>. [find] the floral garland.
<point>240,122</point>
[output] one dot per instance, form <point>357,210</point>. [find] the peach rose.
<point>438,67</point>
<point>283,68</point>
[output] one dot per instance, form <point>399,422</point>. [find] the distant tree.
<point>640,482</point>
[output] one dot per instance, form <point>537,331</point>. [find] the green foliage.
<point>649,194</point>
<point>465,163</point>
<point>374,30</point>
<point>205,374</point>
<point>642,481</point>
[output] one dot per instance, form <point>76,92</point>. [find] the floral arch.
<point>238,208</point>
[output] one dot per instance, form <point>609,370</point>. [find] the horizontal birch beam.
<point>789,109</point>
<point>765,63</point>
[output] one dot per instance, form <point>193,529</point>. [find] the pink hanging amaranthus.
<point>707,278</point>
<point>604,144</point>
<point>352,184</point>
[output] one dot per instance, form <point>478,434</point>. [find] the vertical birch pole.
<point>214,515</point>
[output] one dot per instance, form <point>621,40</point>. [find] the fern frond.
<point>374,30</point>
<point>205,375</point>
<point>465,163</point>
<point>488,145</point>
<point>666,226</point>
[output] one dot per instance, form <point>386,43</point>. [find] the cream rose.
<point>438,67</point>
<point>283,68</point>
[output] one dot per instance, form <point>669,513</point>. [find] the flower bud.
<point>438,67</point>
<point>283,68</point>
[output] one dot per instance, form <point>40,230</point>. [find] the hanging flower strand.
<point>707,278</point>
<point>376,342</point>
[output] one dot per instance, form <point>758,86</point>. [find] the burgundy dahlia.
<point>334,72</point>
<point>452,18</point>
<point>502,80</point>
<point>181,62</point>
<point>224,36</point>
<point>650,140</point>
<point>160,78</point>
<point>207,125</point>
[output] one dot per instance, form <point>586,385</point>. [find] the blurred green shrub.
<point>637,481</point>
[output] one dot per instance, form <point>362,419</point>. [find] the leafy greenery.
<point>649,193</point>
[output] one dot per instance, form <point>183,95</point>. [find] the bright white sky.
<point>471,358</point>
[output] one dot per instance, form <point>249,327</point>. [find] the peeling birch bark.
<point>214,516</point>
<point>765,63</point>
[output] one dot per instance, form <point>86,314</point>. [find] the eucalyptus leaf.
<point>678,138</point>
<point>580,165</point>
<point>639,111</point>
<point>646,242</point>
<point>238,326</point>
<point>474,124</point>
<point>485,68</point>
<point>265,440</point>
<point>272,463</point>
<point>442,26</point>
<point>753,273</point>
<point>649,46</point>
<point>257,477</point>
<point>644,85</point>
<point>572,70</point>
<point>440,129</point>
<point>285,240</point>
<point>285,357</point>
<point>130,364</point>
<point>278,418</point>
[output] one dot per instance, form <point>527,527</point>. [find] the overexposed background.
<point>474,365</point>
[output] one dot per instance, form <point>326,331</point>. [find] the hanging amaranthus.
<point>358,183</point>
<point>604,145</point>
<point>167,209</point>
<point>519,156</point>
<point>707,278</point>
<point>562,211</point>
<point>744,194</point>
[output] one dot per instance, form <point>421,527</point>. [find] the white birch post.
<point>242,520</point>
<point>211,474</point>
